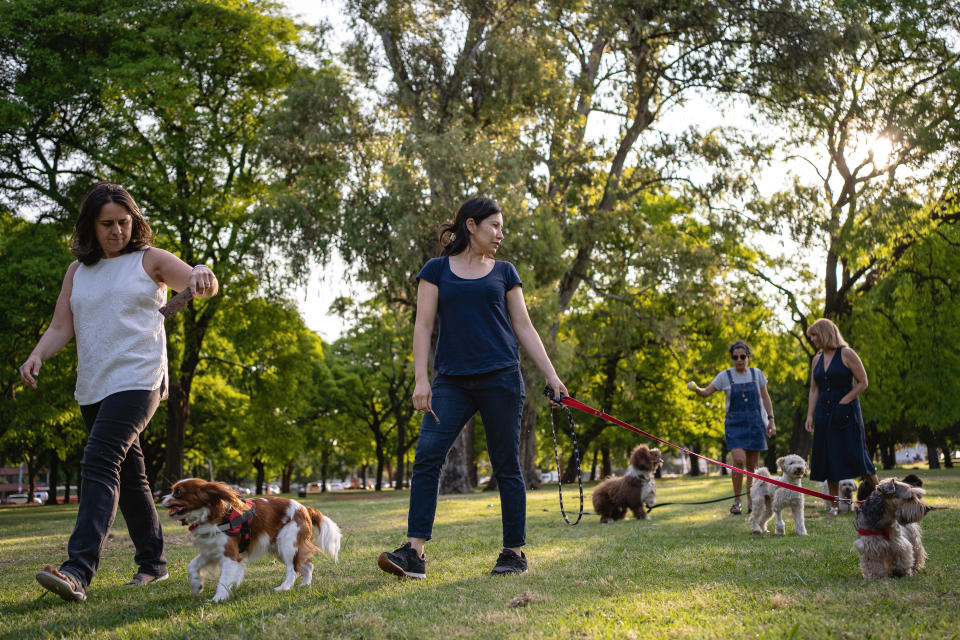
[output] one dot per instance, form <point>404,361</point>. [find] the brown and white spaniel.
<point>230,532</point>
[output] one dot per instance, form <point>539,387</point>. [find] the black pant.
<point>113,473</point>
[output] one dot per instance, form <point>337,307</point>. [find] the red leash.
<point>573,403</point>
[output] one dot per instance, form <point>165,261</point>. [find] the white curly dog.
<point>769,499</point>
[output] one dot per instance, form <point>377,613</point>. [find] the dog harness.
<point>873,532</point>
<point>236,524</point>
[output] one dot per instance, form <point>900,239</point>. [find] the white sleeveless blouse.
<point>121,343</point>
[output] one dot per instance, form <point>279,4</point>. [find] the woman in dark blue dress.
<point>839,443</point>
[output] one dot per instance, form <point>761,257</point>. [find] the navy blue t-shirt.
<point>474,331</point>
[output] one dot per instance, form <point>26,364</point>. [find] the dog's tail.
<point>763,471</point>
<point>326,533</point>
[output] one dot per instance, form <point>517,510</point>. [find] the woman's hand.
<point>808,425</point>
<point>771,428</point>
<point>559,391</point>
<point>422,396</point>
<point>202,281</point>
<point>30,369</point>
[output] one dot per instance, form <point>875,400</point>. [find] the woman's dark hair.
<point>739,344</point>
<point>84,243</point>
<point>476,209</point>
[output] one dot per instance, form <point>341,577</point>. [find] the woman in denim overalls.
<point>749,414</point>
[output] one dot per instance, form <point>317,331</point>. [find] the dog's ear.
<point>780,462</point>
<point>864,489</point>
<point>913,480</point>
<point>871,511</point>
<point>220,491</point>
<point>887,487</point>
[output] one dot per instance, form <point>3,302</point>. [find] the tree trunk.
<point>455,473</point>
<point>947,458</point>
<point>178,411</point>
<point>723,455</point>
<point>363,473</point>
<point>54,471</point>
<point>31,477</point>
<point>933,455</point>
<point>800,438</point>
<point>770,459</point>
<point>260,466</point>
<point>285,476</point>
<point>492,484</point>
<point>888,457</point>
<point>607,464</point>
<point>66,475</point>
<point>378,484</point>
<point>694,461</point>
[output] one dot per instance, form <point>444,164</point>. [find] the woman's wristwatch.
<point>769,418</point>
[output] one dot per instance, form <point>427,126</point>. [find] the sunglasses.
<point>741,356</point>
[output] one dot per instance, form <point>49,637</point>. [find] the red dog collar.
<point>873,532</point>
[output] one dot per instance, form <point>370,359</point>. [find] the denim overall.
<point>744,423</point>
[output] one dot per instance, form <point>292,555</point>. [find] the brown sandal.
<point>62,584</point>
<point>736,509</point>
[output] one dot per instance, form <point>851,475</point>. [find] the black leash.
<point>664,504</point>
<point>547,391</point>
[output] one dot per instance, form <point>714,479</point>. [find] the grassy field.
<point>690,572</point>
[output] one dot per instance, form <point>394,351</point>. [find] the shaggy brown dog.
<point>888,523</point>
<point>636,488</point>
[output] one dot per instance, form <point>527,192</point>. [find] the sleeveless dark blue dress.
<point>839,443</point>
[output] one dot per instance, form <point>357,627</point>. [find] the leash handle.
<point>547,391</point>
<point>176,303</point>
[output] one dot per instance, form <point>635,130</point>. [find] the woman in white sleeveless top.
<point>110,301</point>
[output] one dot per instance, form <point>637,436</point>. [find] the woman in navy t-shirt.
<point>478,303</point>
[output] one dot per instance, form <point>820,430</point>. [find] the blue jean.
<point>114,474</point>
<point>498,396</point>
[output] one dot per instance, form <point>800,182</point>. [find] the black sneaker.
<point>509,562</point>
<point>403,562</point>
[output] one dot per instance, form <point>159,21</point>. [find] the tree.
<point>877,125</point>
<point>494,113</point>
<point>44,421</point>
<point>376,369</point>
<point>175,101</point>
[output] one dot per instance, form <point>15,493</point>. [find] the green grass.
<point>690,572</point>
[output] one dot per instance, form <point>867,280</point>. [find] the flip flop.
<point>61,584</point>
<point>735,509</point>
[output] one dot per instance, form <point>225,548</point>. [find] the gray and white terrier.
<point>888,526</point>
<point>769,499</point>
